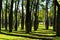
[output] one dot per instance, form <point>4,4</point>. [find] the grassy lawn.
<point>21,35</point>
<point>7,37</point>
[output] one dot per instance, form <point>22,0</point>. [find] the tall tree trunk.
<point>58,20</point>
<point>0,13</point>
<point>6,16</point>
<point>11,17</point>
<point>46,16</point>
<point>54,23</point>
<point>30,10</point>
<point>2,18</point>
<point>15,16</point>
<point>22,20</point>
<point>16,8</point>
<point>28,17</point>
<point>36,16</point>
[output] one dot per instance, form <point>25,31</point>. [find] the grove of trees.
<point>25,14</point>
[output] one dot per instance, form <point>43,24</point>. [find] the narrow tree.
<point>54,24</point>
<point>0,13</point>
<point>36,16</point>
<point>11,17</point>
<point>46,16</point>
<point>6,16</point>
<point>22,20</point>
<point>15,16</point>
<point>2,16</point>
<point>16,8</point>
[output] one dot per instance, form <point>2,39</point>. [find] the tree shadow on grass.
<point>20,32</point>
<point>32,35</point>
<point>48,29</point>
<point>3,39</point>
<point>19,35</point>
<point>45,35</point>
<point>43,38</point>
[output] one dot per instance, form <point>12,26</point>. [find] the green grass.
<point>41,31</point>
<point>57,38</point>
<point>7,37</point>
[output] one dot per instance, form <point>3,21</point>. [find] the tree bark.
<point>16,8</point>
<point>46,16</point>
<point>2,18</point>
<point>0,13</point>
<point>58,22</point>
<point>54,23</point>
<point>36,16</point>
<point>11,17</point>
<point>22,20</point>
<point>6,16</point>
<point>28,17</point>
<point>15,16</point>
<point>58,19</point>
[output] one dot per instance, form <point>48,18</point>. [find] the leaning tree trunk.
<point>11,17</point>
<point>28,17</point>
<point>6,16</point>
<point>0,13</point>
<point>22,20</point>
<point>46,16</point>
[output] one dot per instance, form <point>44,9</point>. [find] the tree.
<point>36,16</point>
<point>15,16</point>
<point>0,13</point>
<point>2,18</point>
<point>46,15</point>
<point>58,19</point>
<point>16,8</point>
<point>22,20</point>
<point>6,15</point>
<point>11,17</point>
<point>28,17</point>
<point>54,24</point>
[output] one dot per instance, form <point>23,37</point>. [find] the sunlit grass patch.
<point>7,37</point>
<point>41,32</point>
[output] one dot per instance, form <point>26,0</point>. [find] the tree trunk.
<point>46,16</point>
<point>15,16</point>
<point>58,19</point>
<point>2,18</point>
<point>36,16</point>
<point>54,23</point>
<point>16,10</point>
<point>6,16</point>
<point>0,13</point>
<point>58,22</point>
<point>11,17</point>
<point>28,17</point>
<point>22,20</point>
